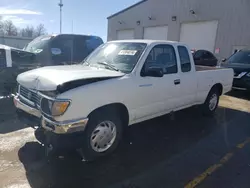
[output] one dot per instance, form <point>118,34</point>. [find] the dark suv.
<point>63,48</point>
<point>46,50</point>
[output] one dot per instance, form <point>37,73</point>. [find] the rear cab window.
<point>65,44</point>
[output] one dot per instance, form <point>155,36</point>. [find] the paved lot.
<point>186,150</point>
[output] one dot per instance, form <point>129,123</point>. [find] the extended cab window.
<point>162,56</point>
<point>184,59</point>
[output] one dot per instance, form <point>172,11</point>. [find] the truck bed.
<point>205,68</point>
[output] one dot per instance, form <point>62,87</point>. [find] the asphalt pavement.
<point>182,150</point>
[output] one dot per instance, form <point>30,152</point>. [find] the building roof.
<point>124,10</point>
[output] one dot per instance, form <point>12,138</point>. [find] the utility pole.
<point>60,5</point>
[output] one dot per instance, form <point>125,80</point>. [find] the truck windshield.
<point>37,45</point>
<point>121,56</point>
<point>241,57</point>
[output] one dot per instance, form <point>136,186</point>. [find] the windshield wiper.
<point>108,65</point>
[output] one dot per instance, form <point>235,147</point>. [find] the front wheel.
<point>102,135</point>
<point>211,103</point>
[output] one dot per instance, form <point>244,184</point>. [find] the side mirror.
<point>56,51</point>
<point>224,60</point>
<point>154,72</point>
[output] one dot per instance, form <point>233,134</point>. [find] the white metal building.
<point>220,26</point>
<point>17,42</point>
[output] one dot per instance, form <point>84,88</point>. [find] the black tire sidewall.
<point>94,120</point>
<point>206,109</point>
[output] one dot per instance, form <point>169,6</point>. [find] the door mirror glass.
<point>56,51</point>
<point>154,72</point>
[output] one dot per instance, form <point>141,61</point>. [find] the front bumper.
<point>61,136</point>
<point>64,127</point>
<point>242,83</point>
<point>24,107</point>
<point>58,127</point>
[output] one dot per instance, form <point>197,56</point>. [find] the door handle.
<point>178,81</point>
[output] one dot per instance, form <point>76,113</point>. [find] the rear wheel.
<point>211,103</point>
<point>102,135</point>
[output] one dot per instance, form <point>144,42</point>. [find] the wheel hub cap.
<point>103,136</point>
<point>213,102</point>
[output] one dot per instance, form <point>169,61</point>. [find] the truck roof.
<point>149,41</point>
<point>54,35</point>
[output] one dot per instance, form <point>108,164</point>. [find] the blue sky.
<point>89,17</point>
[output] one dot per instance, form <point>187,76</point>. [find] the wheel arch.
<point>219,87</point>
<point>117,107</point>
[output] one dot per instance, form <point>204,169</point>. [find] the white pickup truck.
<point>87,106</point>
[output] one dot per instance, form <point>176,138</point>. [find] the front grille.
<point>30,95</point>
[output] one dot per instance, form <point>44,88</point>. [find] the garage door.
<point>156,33</point>
<point>125,34</point>
<point>199,35</point>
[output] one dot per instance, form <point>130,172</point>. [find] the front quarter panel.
<point>86,99</point>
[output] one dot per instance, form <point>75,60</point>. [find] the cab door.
<point>158,95</point>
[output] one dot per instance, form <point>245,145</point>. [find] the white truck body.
<point>121,83</point>
<point>144,97</point>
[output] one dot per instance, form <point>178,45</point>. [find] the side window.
<point>84,45</point>
<point>184,59</point>
<point>65,44</point>
<point>21,58</point>
<point>198,54</point>
<point>208,55</point>
<point>163,56</point>
<point>80,49</point>
<point>93,42</point>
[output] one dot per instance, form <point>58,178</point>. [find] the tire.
<point>210,105</point>
<point>105,119</point>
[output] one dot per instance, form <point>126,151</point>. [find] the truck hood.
<point>49,78</point>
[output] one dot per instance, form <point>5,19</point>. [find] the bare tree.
<point>9,28</point>
<point>40,30</point>
<point>29,31</point>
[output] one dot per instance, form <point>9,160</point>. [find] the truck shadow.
<point>144,146</point>
<point>10,119</point>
